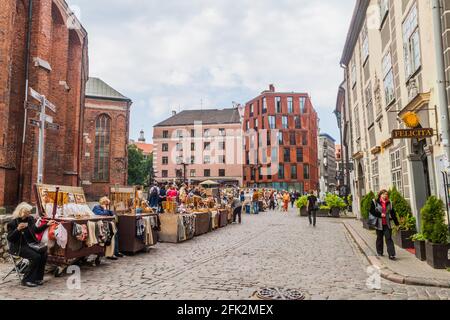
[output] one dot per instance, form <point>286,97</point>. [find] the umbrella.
<point>209,183</point>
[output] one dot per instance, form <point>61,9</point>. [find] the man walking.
<point>312,208</point>
<point>237,209</point>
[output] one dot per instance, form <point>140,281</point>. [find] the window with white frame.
<point>365,44</point>
<point>384,9</point>
<point>353,73</point>
<point>375,176</point>
<point>290,104</point>
<point>388,79</point>
<point>357,129</point>
<point>396,166</point>
<point>411,42</point>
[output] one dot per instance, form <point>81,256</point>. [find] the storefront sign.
<point>412,133</point>
<point>376,150</point>
<point>386,144</point>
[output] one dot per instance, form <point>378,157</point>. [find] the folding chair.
<point>20,266</point>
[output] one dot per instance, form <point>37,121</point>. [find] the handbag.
<point>373,221</point>
<point>38,247</point>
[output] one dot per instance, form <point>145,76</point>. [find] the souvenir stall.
<point>78,233</point>
<point>202,214</point>
<point>176,225</point>
<point>137,223</point>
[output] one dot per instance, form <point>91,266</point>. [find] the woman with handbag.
<point>22,240</point>
<point>381,214</point>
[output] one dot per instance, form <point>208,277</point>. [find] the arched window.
<point>102,148</point>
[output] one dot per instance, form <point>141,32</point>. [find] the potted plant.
<point>350,203</point>
<point>366,202</point>
<point>301,204</point>
<point>405,231</point>
<point>436,232</point>
<point>420,246</point>
<point>335,204</point>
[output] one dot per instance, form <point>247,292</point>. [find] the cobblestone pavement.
<point>271,249</point>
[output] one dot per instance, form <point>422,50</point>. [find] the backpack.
<point>154,192</point>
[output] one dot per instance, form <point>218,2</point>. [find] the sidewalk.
<point>407,269</point>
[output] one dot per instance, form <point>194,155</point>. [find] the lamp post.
<point>184,164</point>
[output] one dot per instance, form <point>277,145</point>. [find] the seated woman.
<point>21,234</point>
<point>102,209</point>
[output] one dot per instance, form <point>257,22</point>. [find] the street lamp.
<point>184,164</point>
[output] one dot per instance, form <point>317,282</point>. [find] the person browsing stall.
<point>22,241</point>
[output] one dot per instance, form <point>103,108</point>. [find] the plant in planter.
<point>403,233</point>
<point>436,232</point>
<point>336,204</point>
<point>301,204</point>
<point>420,246</point>
<point>366,202</point>
<point>350,203</point>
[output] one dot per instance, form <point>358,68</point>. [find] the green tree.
<point>366,203</point>
<point>401,206</point>
<point>433,216</point>
<point>139,167</point>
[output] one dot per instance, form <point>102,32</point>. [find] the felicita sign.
<point>412,133</point>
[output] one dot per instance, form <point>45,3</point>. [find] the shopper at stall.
<point>162,198</point>
<point>172,194</point>
<point>272,201</point>
<point>236,206</point>
<point>102,209</point>
<point>153,196</point>
<point>384,212</point>
<point>255,201</point>
<point>22,240</point>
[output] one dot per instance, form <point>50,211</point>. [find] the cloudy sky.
<point>184,54</point>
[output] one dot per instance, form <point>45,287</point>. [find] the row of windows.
<point>193,173</point>
<point>206,146</point>
<point>274,157</point>
<point>206,160</point>
<point>411,51</point>
<point>295,122</point>
<point>396,168</point>
<point>278,106</point>
<point>206,133</point>
<point>294,139</point>
<point>261,173</point>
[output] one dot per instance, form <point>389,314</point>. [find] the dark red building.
<point>281,142</point>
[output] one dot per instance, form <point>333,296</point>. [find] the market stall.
<point>176,228</point>
<point>78,233</point>
<point>137,223</point>
<point>223,218</point>
<point>202,222</point>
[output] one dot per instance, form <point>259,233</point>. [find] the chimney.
<point>271,88</point>
<point>174,113</point>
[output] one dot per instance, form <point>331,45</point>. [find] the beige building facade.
<point>390,69</point>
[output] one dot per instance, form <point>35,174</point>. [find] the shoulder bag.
<point>373,221</point>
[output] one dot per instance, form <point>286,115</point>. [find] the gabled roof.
<point>97,88</point>
<point>207,116</point>
<point>146,148</point>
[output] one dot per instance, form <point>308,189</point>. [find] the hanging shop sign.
<point>411,120</point>
<point>375,150</point>
<point>387,143</point>
<point>412,133</point>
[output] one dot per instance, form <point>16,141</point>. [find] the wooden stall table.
<point>128,240</point>
<point>202,223</point>
<point>223,218</point>
<point>170,228</point>
<point>59,203</point>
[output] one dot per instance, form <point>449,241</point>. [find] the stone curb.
<point>386,272</point>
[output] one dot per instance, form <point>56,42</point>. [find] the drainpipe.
<point>25,104</point>
<point>441,81</point>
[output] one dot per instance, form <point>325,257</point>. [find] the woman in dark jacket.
<point>384,212</point>
<point>22,232</point>
<point>162,198</point>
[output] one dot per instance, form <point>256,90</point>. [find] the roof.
<point>145,147</point>
<point>207,116</point>
<point>326,135</point>
<point>97,88</point>
<point>356,25</point>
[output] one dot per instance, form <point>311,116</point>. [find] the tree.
<point>139,167</point>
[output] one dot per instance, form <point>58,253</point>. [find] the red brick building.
<point>53,57</point>
<point>281,142</point>
<point>105,143</point>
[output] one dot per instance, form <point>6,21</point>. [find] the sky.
<point>190,54</point>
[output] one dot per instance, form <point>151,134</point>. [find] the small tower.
<point>141,136</point>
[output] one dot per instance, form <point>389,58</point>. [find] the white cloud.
<point>171,53</point>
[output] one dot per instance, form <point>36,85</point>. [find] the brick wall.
<point>118,112</point>
<point>65,51</point>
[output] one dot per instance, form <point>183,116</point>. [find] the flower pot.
<point>323,213</point>
<point>403,239</point>
<point>303,212</point>
<point>438,255</point>
<point>421,251</point>
<point>335,212</point>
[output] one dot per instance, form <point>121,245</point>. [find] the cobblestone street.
<point>271,249</point>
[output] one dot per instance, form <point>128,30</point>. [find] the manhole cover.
<point>280,294</point>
